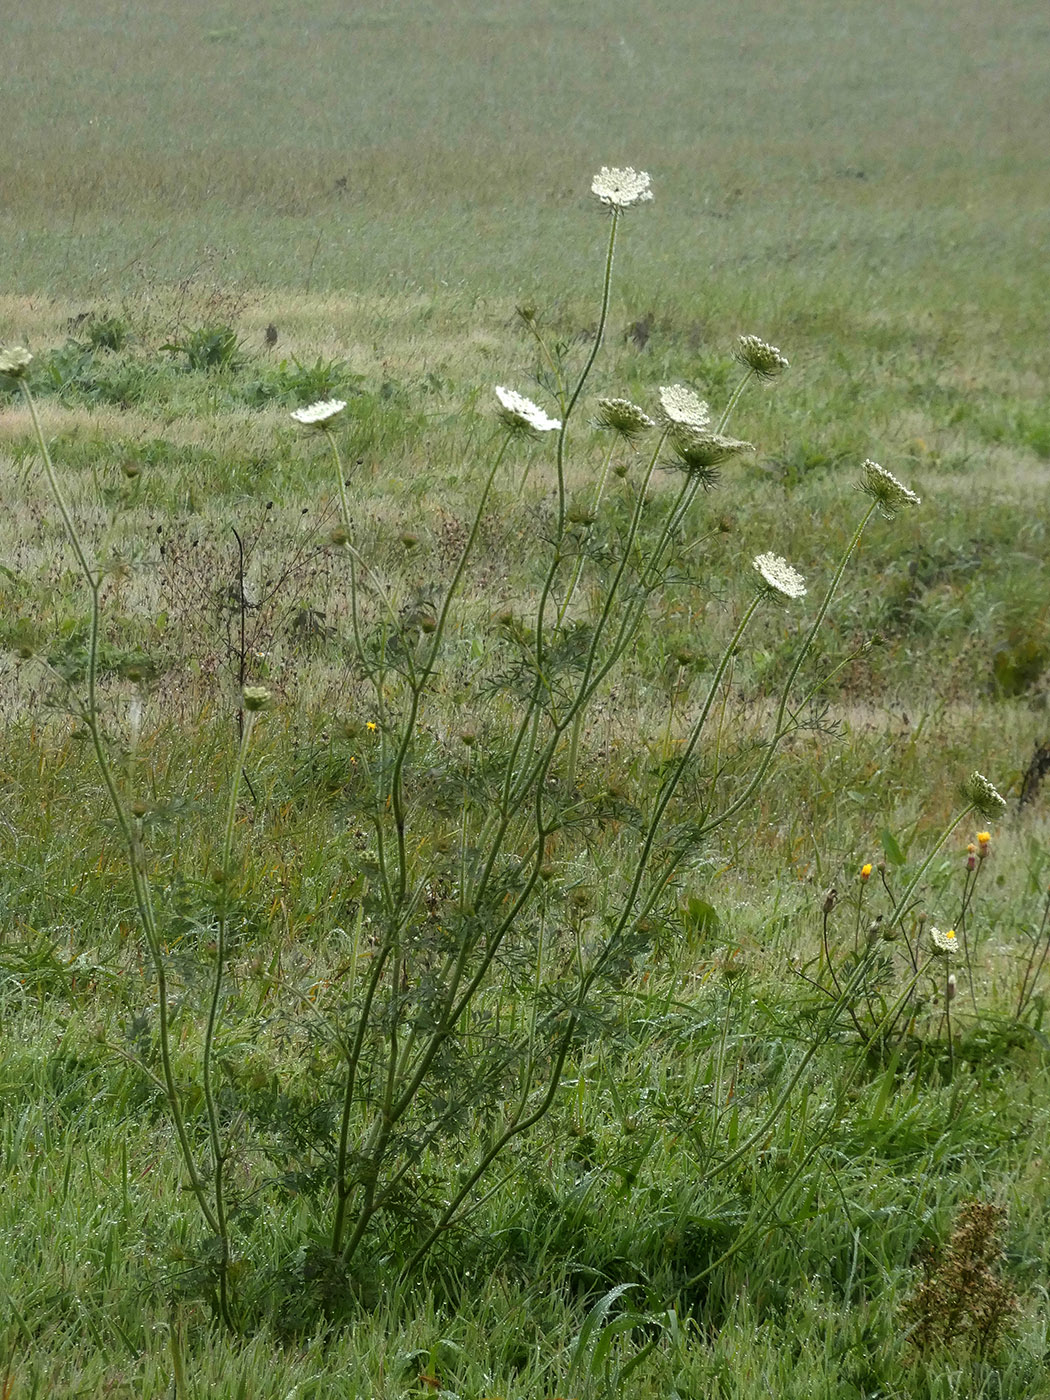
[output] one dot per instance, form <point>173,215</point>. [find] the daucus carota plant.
<point>488,940</point>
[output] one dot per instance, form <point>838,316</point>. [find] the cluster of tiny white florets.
<point>623,417</point>
<point>521,415</point>
<point>884,488</point>
<point>619,188</point>
<point>681,405</point>
<point>15,361</point>
<point>779,577</point>
<point>320,414</point>
<point>765,359</point>
<point>984,796</point>
<point>699,451</point>
<point>944,943</point>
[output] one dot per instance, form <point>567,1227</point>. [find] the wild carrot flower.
<point>983,795</point>
<point>766,360</point>
<point>521,415</point>
<point>700,453</point>
<point>256,697</point>
<point>623,417</point>
<point>320,414</point>
<point>15,361</point>
<point>779,577</point>
<point>620,188</point>
<point>682,405</point>
<point>884,488</point>
<point>944,944</point>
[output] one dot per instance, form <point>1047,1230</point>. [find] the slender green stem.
<point>734,399</point>
<point>129,831</point>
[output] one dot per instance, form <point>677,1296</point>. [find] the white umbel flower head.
<point>701,450</point>
<point>984,796</point>
<point>256,698</point>
<point>623,417</point>
<point>884,488</point>
<point>684,406</point>
<point>778,576</point>
<point>320,414</point>
<point>521,415</point>
<point>765,359</point>
<point>15,361</point>
<point>620,188</point>
<point>944,943</point>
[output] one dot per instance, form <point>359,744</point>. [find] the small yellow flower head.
<point>319,414</point>
<point>983,837</point>
<point>682,405</point>
<point>15,362</point>
<point>623,417</point>
<point>521,415</point>
<point>865,872</point>
<point>778,576</point>
<point>884,488</point>
<point>944,944</point>
<point>371,726</point>
<point>764,359</point>
<point>620,188</point>
<point>256,697</point>
<point>983,795</point>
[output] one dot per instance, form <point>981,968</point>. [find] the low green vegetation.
<point>498,893</point>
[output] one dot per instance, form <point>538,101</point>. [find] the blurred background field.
<point>214,213</point>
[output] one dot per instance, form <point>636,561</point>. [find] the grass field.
<point>775,1152</point>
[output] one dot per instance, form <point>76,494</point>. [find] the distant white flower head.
<point>521,415</point>
<point>779,577</point>
<point>765,359</point>
<point>256,697</point>
<point>319,414</point>
<point>884,488</point>
<point>623,417</point>
<point>620,188</point>
<point>15,361</point>
<point>988,801</point>
<point>682,405</point>
<point>946,943</point>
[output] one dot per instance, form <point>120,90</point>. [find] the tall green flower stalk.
<point>207,1185</point>
<point>420,993</point>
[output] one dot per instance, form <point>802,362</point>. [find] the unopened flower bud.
<point>256,697</point>
<point>950,988</point>
<point>830,899</point>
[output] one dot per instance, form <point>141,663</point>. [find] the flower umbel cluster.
<point>701,452</point>
<point>619,188</point>
<point>946,943</point>
<point>521,415</point>
<point>983,795</point>
<point>623,417</point>
<point>778,576</point>
<point>684,406</point>
<point>320,414</point>
<point>765,359</point>
<point>14,362</point>
<point>884,488</point>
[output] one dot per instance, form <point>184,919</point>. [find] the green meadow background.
<point>383,186</point>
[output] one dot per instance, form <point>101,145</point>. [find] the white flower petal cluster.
<point>779,577</point>
<point>884,488</point>
<point>619,188</point>
<point>15,361</point>
<point>521,415</point>
<point>984,796</point>
<point>946,943</point>
<point>765,359</point>
<point>320,414</point>
<point>699,450</point>
<point>683,405</point>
